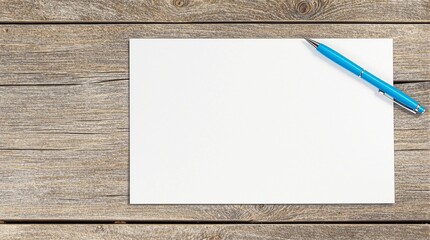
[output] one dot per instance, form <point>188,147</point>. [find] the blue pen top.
<point>386,89</point>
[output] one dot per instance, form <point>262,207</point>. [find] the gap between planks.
<point>206,222</point>
<point>208,23</point>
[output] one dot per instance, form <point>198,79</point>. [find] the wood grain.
<point>64,118</point>
<point>219,11</point>
<point>216,232</point>
<point>81,54</point>
<point>92,184</point>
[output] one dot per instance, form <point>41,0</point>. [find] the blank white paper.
<point>258,121</point>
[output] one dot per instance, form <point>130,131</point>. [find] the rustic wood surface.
<point>220,11</point>
<point>64,118</point>
<point>64,144</point>
<point>216,232</point>
<point>80,54</point>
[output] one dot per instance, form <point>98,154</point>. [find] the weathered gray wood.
<point>94,116</point>
<point>207,11</point>
<point>75,54</point>
<point>216,232</point>
<point>92,184</point>
<point>64,118</point>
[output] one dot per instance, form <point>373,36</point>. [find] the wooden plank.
<point>92,184</point>
<point>95,117</point>
<point>218,11</point>
<point>219,231</point>
<point>80,54</point>
<point>64,135</point>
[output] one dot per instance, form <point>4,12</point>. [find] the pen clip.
<point>397,102</point>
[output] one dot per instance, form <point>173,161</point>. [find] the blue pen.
<point>386,89</point>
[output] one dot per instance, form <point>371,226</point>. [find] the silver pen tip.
<point>312,42</point>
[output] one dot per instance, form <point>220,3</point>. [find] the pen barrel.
<point>393,92</point>
<point>398,96</point>
<point>339,59</point>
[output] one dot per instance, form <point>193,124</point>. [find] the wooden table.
<point>64,117</point>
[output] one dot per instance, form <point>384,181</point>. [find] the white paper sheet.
<point>234,121</point>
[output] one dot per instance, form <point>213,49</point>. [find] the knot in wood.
<point>180,3</point>
<point>99,228</point>
<point>309,9</point>
<point>304,7</point>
